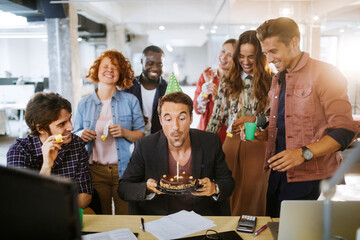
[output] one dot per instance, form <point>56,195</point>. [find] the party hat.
<point>173,85</point>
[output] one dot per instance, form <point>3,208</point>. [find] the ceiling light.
<point>169,48</point>
<point>213,31</point>
<point>286,12</point>
<point>242,27</point>
<point>202,27</point>
<point>215,27</point>
<point>315,18</point>
<point>253,28</point>
<point>341,30</point>
<point>79,39</point>
<point>161,27</point>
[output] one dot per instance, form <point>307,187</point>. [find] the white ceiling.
<point>182,18</point>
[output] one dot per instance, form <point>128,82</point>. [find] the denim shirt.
<point>126,112</point>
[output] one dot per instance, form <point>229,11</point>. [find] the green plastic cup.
<point>250,129</point>
<point>81,212</point>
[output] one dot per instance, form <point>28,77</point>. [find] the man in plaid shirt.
<point>49,115</point>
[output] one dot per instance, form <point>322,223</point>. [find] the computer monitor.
<point>303,219</point>
<point>34,206</point>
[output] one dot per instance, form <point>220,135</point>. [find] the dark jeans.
<point>279,189</point>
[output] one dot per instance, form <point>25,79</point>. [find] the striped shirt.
<point>71,162</point>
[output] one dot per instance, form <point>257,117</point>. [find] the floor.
<point>348,191</point>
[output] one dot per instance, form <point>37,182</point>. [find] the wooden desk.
<point>102,223</point>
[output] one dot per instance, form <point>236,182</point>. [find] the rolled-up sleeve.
<point>83,176</point>
<point>333,95</point>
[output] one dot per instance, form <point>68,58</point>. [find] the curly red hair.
<point>126,74</point>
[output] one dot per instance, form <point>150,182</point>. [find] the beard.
<point>151,78</point>
<point>180,142</point>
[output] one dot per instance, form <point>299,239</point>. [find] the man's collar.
<point>244,75</point>
<point>301,62</point>
<point>281,78</point>
<point>37,145</point>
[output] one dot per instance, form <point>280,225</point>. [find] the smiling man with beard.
<point>48,115</point>
<point>198,153</point>
<point>150,86</point>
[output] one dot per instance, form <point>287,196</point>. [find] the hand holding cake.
<point>151,185</point>
<point>208,188</point>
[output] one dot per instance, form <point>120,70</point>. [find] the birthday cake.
<point>174,183</point>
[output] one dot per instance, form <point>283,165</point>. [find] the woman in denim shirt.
<point>109,121</point>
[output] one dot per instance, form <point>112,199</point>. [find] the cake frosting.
<point>184,182</point>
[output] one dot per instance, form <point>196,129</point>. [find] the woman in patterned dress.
<point>242,97</point>
<point>210,79</point>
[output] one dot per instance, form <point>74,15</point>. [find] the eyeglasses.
<point>212,235</point>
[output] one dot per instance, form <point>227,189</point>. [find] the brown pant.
<point>246,160</point>
<point>105,179</point>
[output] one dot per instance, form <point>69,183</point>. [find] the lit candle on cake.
<point>177,171</point>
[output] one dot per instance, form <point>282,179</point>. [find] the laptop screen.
<point>33,206</point>
<point>300,219</point>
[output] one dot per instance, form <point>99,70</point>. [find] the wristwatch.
<point>307,153</point>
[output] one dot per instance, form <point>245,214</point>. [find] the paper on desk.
<point>178,225</point>
<point>124,234</point>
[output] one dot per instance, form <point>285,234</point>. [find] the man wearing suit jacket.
<point>198,152</point>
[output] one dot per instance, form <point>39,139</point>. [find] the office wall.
<point>191,62</point>
<point>24,57</point>
<point>87,56</point>
<point>348,63</point>
<point>4,63</point>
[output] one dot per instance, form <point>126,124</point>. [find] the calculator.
<point>246,224</point>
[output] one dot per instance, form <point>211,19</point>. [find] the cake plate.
<point>179,191</point>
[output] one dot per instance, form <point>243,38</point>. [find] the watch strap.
<point>305,148</point>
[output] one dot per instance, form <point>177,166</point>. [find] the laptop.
<point>300,219</point>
